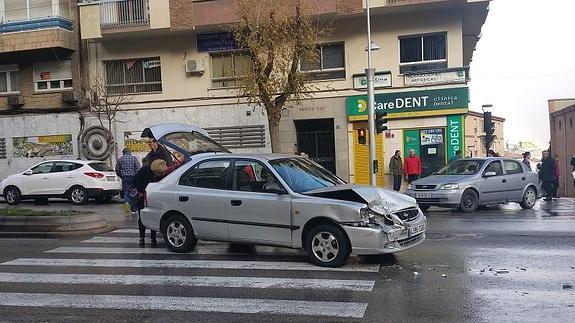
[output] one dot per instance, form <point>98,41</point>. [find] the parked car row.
<point>76,180</point>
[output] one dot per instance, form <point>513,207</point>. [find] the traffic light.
<point>489,128</point>
<point>361,136</point>
<point>380,121</point>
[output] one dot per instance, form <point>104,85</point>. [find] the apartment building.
<point>562,128</point>
<point>179,64</point>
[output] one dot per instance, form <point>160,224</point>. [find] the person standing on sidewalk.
<point>126,168</point>
<point>548,174</point>
<point>412,166</point>
<point>396,169</point>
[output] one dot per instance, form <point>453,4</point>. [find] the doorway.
<point>316,138</point>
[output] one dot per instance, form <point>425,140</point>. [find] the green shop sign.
<point>455,135</point>
<point>412,104</point>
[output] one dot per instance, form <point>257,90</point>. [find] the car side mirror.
<point>490,174</point>
<point>274,188</point>
<point>28,172</point>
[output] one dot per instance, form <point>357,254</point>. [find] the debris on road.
<point>443,275</point>
<point>502,271</point>
<point>567,286</point>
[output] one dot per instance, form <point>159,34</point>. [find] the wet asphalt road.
<point>500,264</point>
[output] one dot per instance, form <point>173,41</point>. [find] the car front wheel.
<point>529,198</point>
<point>178,234</point>
<point>12,195</point>
<point>327,246</point>
<point>78,195</point>
<point>469,201</point>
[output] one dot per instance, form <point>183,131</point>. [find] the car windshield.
<point>302,175</point>
<point>194,143</point>
<point>462,167</point>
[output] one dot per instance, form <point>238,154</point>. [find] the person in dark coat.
<point>548,174</point>
<point>573,164</point>
<point>396,169</point>
<point>141,180</point>
<point>158,151</point>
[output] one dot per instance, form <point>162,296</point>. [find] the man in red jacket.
<point>412,166</point>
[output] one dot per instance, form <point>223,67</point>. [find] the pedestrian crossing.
<point>290,287</point>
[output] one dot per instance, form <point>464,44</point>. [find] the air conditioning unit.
<point>15,101</point>
<point>69,96</point>
<point>195,66</point>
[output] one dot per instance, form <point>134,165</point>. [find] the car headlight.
<point>449,187</point>
<point>370,217</point>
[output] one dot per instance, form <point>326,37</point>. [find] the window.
<point>64,167</point>
<point>329,63</point>
<point>251,176</point>
<point>209,174</point>
<point>101,167</point>
<point>512,167</point>
<point>302,175</point>
<point>227,67</point>
<point>9,79</point>
<point>53,75</point>
<point>494,167</point>
<point>130,76</point>
<point>42,168</point>
<point>422,53</point>
<point>18,10</point>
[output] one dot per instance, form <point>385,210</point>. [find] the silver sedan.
<point>473,182</point>
<point>273,199</point>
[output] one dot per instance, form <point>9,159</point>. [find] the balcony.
<point>122,14</point>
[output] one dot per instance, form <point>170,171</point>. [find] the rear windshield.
<point>102,167</point>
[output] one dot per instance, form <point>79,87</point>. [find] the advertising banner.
<point>43,146</point>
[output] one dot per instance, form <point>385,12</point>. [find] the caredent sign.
<point>412,104</point>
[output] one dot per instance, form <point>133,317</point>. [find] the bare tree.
<point>277,35</point>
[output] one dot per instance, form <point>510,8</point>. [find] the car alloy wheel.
<point>178,234</point>
<point>529,198</point>
<point>78,195</point>
<point>325,246</point>
<point>12,195</point>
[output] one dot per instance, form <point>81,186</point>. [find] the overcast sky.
<point>526,56</point>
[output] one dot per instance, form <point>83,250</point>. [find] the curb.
<point>52,226</point>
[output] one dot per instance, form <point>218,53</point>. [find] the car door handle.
<point>503,181</point>
<point>44,177</point>
<point>236,202</point>
<point>183,198</point>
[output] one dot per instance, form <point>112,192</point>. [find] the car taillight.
<point>94,175</point>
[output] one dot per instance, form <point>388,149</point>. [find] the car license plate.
<point>415,230</point>
<point>422,195</point>
<point>111,178</point>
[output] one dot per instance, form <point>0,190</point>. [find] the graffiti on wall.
<point>43,146</point>
<point>135,143</point>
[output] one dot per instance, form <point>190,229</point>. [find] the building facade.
<point>475,135</point>
<point>179,64</point>
<point>562,128</point>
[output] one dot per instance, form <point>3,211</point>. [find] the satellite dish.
<point>96,143</point>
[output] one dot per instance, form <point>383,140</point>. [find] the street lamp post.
<point>369,73</point>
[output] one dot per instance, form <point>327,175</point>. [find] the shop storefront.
<point>429,122</point>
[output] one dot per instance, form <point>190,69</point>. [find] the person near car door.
<point>158,151</point>
<point>412,166</point>
<point>525,161</point>
<point>396,169</point>
<point>548,174</point>
<point>126,168</point>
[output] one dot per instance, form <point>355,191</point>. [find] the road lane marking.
<point>210,264</point>
<point>205,281</point>
<point>186,304</point>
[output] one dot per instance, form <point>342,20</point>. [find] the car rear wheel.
<point>12,195</point>
<point>529,198</point>
<point>469,201</point>
<point>178,234</point>
<point>327,246</point>
<point>78,195</point>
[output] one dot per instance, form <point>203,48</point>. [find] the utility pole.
<point>369,73</point>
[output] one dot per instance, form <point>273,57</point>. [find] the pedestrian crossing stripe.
<point>186,304</point>
<point>198,264</point>
<point>190,281</point>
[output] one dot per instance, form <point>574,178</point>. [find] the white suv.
<point>76,180</point>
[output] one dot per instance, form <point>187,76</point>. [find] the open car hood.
<point>185,139</point>
<point>378,199</point>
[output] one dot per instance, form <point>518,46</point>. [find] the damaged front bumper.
<point>380,239</point>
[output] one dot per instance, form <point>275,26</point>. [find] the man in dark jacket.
<point>396,169</point>
<point>158,151</point>
<point>548,174</point>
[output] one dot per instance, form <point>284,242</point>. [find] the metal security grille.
<point>239,137</point>
<point>2,148</point>
<point>141,75</point>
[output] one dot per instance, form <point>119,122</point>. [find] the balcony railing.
<point>35,24</point>
<point>118,14</point>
